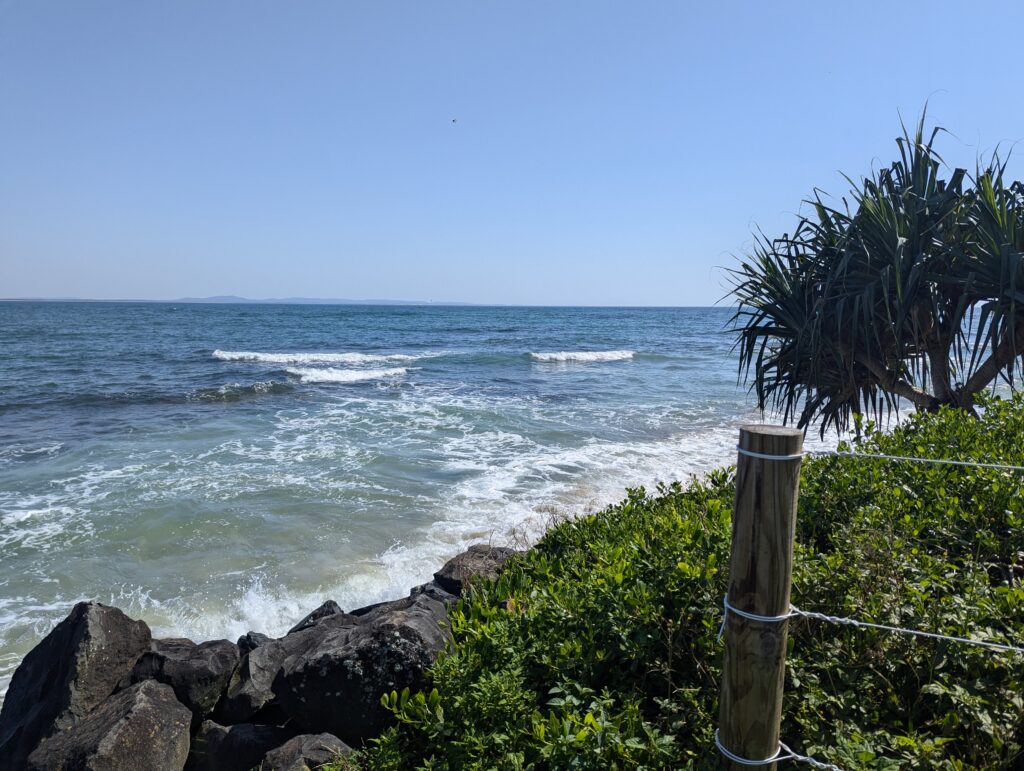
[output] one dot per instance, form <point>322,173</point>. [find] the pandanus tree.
<point>910,291</point>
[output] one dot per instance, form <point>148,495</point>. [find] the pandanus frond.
<point>913,292</point>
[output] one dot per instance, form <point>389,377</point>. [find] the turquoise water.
<point>220,468</point>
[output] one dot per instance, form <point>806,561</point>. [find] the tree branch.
<point>890,381</point>
<point>997,361</point>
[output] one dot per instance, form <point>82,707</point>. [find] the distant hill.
<point>308,301</point>
<point>236,300</point>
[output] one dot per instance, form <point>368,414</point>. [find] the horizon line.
<point>236,300</point>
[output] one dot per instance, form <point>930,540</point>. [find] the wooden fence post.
<point>760,571</point>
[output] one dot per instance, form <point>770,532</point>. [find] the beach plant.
<point>599,648</point>
<point>909,290</point>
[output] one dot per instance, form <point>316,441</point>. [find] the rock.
<point>67,675</point>
<point>336,684</point>
<point>250,641</point>
<point>198,674</point>
<point>141,727</point>
<point>305,753</point>
<point>435,592</point>
<point>478,561</point>
<point>329,608</point>
<point>370,612</point>
<point>250,687</point>
<point>234,748</point>
<point>430,589</point>
<point>367,609</point>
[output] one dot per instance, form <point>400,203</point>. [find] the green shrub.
<point>599,649</point>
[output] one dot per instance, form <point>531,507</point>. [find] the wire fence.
<point>784,752</point>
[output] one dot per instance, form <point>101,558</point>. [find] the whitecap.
<point>327,375</point>
<point>583,356</point>
<point>316,358</point>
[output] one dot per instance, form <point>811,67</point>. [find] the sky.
<point>528,152</point>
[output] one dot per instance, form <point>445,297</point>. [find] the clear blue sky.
<point>602,152</point>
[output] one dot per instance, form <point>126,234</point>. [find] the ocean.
<point>215,469</point>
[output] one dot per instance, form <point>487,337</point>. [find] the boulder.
<point>329,608</point>
<point>430,589</point>
<point>67,675</point>
<point>478,561</point>
<point>371,612</point>
<point>435,592</point>
<point>250,641</point>
<point>250,687</point>
<point>335,685</point>
<point>305,753</point>
<point>233,748</point>
<point>141,727</point>
<point>364,611</point>
<point>198,674</point>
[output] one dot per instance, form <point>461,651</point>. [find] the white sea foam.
<point>583,356</point>
<point>330,375</point>
<point>317,358</point>
<point>512,485</point>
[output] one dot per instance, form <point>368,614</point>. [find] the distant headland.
<point>236,300</point>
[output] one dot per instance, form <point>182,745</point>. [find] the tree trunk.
<point>1005,354</point>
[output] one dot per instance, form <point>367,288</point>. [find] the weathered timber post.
<point>760,571</point>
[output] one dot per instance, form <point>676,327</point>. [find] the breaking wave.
<point>316,358</point>
<point>328,375</point>
<point>583,356</point>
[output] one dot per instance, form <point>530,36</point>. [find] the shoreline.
<point>257,603</point>
<point>99,661</point>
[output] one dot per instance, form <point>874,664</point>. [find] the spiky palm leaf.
<point>913,292</point>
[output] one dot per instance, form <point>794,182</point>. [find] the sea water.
<point>215,469</point>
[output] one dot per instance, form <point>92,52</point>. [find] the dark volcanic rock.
<point>305,753</point>
<point>430,589</point>
<point>234,748</point>
<point>329,608</point>
<point>434,591</point>
<point>250,641</point>
<point>141,727</point>
<point>370,612</point>
<point>198,673</point>
<point>71,672</point>
<point>336,684</point>
<point>250,688</point>
<point>478,561</point>
<point>360,613</point>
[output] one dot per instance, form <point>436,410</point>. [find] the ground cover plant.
<point>599,650</point>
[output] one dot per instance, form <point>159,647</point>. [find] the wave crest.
<point>328,375</point>
<point>583,356</point>
<point>314,358</point>
<point>231,392</point>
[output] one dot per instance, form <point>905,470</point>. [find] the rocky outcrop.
<point>435,592</point>
<point>99,692</point>
<point>478,561</point>
<point>70,673</point>
<point>430,589</point>
<point>198,673</point>
<point>336,684</point>
<point>141,727</point>
<point>234,748</point>
<point>329,608</point>
<point>305,753</point>
<point>250,689</point>
<point>250,641</point>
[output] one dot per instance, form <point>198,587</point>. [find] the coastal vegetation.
<point>910,287</point>
<point>599,648</point>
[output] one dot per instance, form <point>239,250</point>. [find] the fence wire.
<point>784,752</point>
